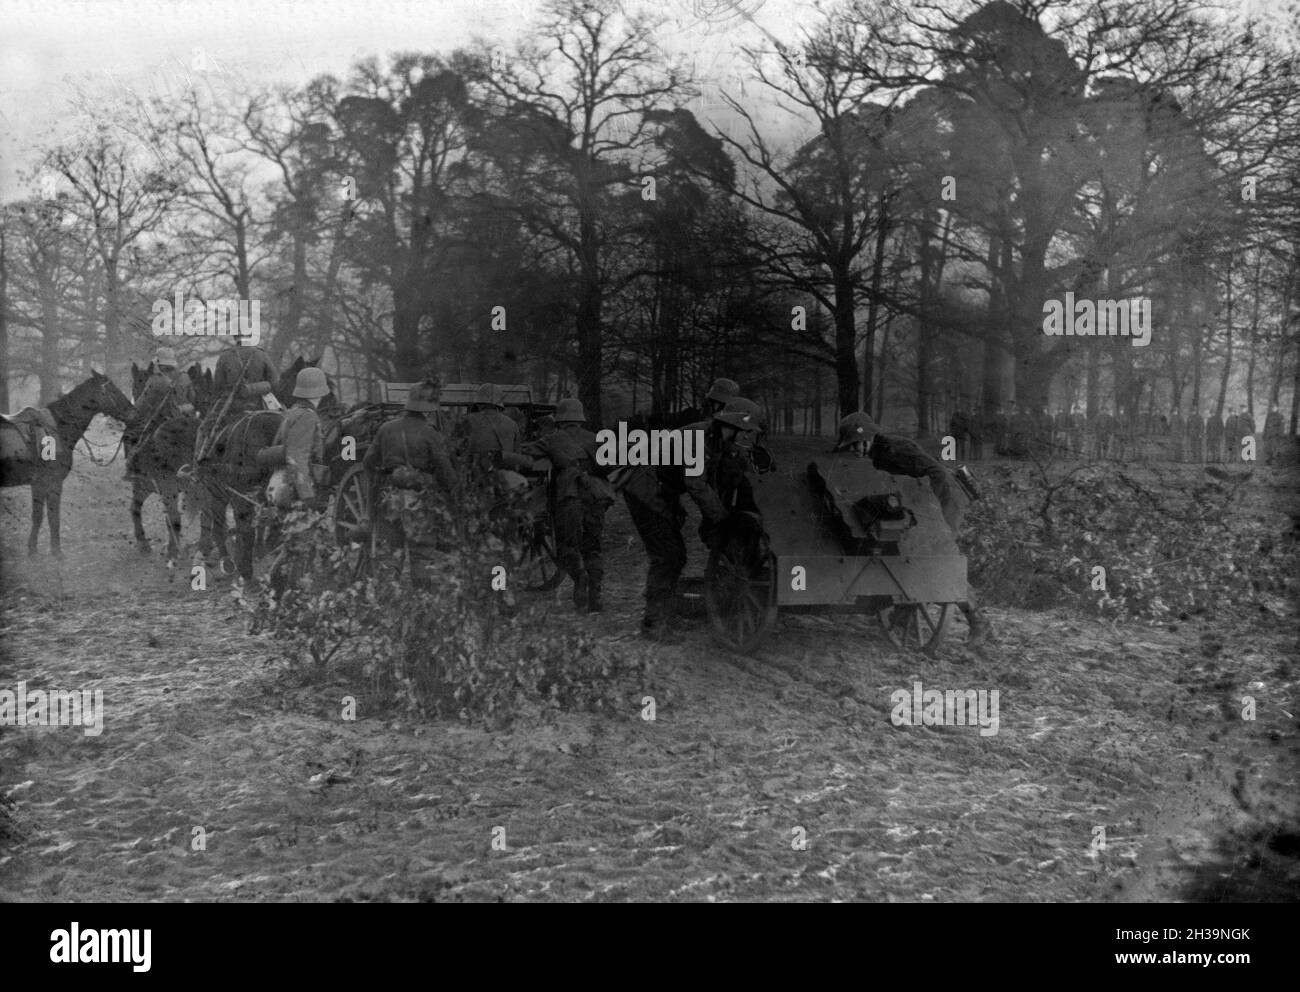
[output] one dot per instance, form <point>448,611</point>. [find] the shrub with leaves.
<point>1170,544</point>
<point>456,648</point>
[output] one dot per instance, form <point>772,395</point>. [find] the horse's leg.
<point>52,501</point>
<point>244,537</point>
<point>171,503</point>
<point>217,519</point>
<point>138,497</point>
<point>38,513</point>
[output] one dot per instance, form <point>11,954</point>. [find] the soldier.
<point>581,498</point>
<point>1061,431</point>
<point>1043,433</point>
<point>168,393</point>
<point>653,498</point>
<point>1000,426</point>
<point>975,424</point>
<point>244,375</point>
<point>300,433</point>
<point>729,470</point>
<point>859,434</point>
<point>1082,437</point>
<point>1022,432</point>
<point>409,452</point>
<point>1274,432</point>
<point>1213,438</point>
<point>959,428</point>
<point>720,394</point>
<point>1195,431</point>
<point>1244,428</point>
<point>490,434</point>
<point>1177,436</point>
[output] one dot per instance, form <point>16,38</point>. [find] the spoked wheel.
<point>916,626</point>
<point>740,592</point>
<point>539,558</point>
<point>354,517</point>
<point>532,543</point>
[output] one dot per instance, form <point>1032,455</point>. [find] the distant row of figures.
<point>1167,438</point>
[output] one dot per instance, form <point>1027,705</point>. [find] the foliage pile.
<point>1169,547</point>
<point>458,648</point>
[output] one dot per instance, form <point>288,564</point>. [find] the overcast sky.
<point>149,46</point>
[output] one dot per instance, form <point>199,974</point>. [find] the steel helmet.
<point>741,414</point>
<point>570,412</point>
<point>423,397</point>
<point>857,427</point>
<point>165,356</point>
<point>311,384</point>
<point>488,395</point>
<point>723,390</point>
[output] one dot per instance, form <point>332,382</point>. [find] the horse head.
<point>108,399</point>
<point>284,388</point>
<point>98,394</point>
<point>139,377</point>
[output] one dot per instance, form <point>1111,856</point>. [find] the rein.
<point>91,454</point>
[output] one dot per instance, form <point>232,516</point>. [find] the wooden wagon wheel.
<point>540,556</point>
<point>740,592</point>
<point>916,626</point>
<point>530,539</point>
<point>355,526</point>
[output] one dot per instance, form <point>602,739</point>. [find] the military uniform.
<point>1213,439</point>
<point>653,497</point>
<point>488,435</point>
<point>581,498</point>
<point>1195,432</point>
<point>959,428</point>
<point>412,441</point>
<point>1061,432</point>
<point>244,375</point>
<point>243,370</point>
<point>408,457</point>
<point>1274,432</point>
<point>899,456</point>
<point>304,448</point>
<point>1104,429</point>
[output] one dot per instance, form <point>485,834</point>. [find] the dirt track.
<point>1135,728</point>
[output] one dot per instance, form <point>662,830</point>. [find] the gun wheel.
<point>916,626</point>
<point>740,594</point>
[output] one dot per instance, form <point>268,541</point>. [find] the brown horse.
<point>229,476</point>
<point>72,413</point>
<point>161,452</point>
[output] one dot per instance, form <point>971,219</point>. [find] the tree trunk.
<point>846,340</point>
<point>4,327</point>
<point>873,304</point>
<point>1227,370</point>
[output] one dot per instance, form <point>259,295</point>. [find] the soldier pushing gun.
<point>859,434</point>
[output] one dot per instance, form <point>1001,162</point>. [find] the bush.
<point>1170,547</point>
<point>456,648</point>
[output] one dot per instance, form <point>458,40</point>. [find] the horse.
<point>157,458</point>
<point>230,476</point>
<point>72,413</point>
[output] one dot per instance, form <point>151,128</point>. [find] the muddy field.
<point>1134,729</point>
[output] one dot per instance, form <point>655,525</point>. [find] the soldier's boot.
<point>579,590</point>
<point>594,604</point>
<point>978,622</point>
